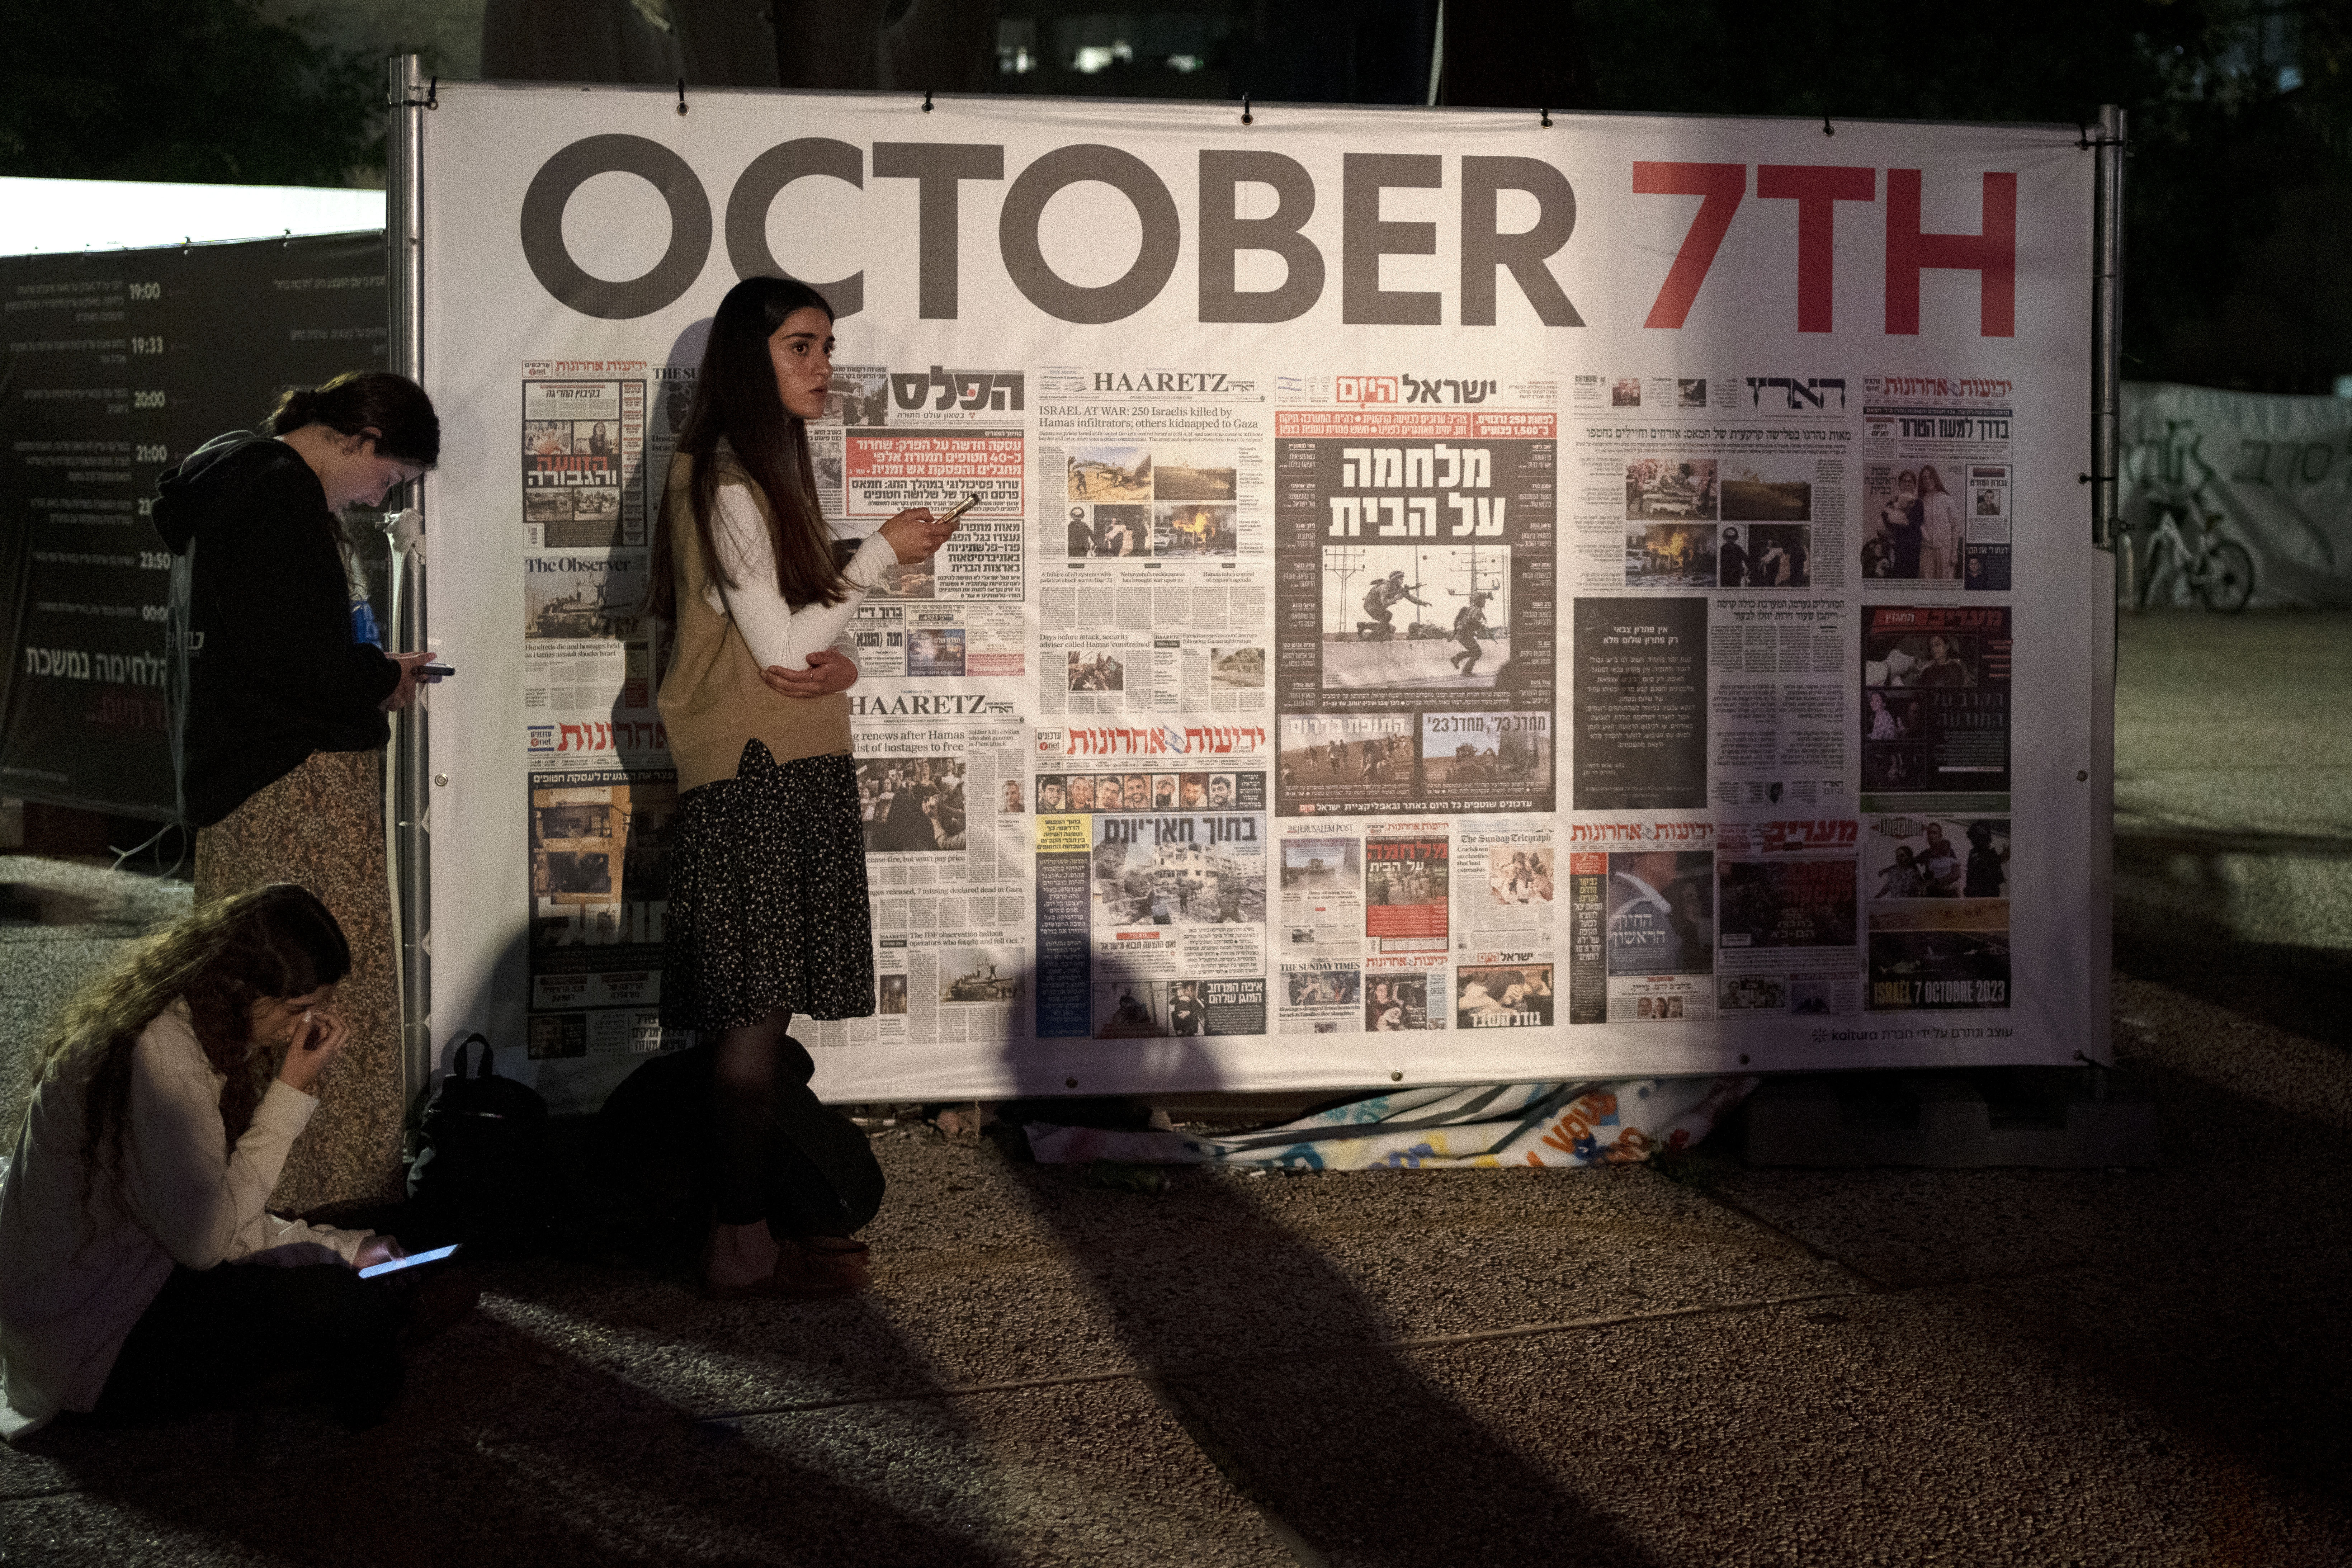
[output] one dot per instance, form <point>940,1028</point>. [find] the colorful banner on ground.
<point>1452,597</point>
<point>1565,1124</point>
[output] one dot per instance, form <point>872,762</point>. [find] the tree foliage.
<point>203,91</point>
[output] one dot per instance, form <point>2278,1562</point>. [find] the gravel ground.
<point>1631,1366</point>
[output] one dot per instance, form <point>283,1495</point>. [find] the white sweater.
<point>773,630</point>
<point>75,1276</point>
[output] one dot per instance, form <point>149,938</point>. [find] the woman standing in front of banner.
<point>282,740</point>
<point>768,914</point>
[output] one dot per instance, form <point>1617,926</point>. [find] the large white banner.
<point>1451,598</point>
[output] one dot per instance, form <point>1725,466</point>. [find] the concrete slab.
<point>1884,1429</point>
<point>2064,1118</point>
<point>1984,1367</point>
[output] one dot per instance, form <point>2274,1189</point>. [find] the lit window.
<point>1093,58</point>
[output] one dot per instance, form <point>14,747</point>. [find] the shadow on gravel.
<point>1268,1357</point>
<point>2174,895</point>
<point>504,1450</point>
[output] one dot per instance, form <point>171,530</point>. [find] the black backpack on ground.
<point>481,1172</point>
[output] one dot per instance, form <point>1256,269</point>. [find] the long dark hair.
<point>219,959</point>
<point>736,401</point>
<point>391,407</point>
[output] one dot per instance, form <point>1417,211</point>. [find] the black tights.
<point>221,1336</point>
<point>769,1127</point>
<point>745,1083</point>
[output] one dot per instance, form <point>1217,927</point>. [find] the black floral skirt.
<point>767,896</point>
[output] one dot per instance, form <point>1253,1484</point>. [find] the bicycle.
<point>2220,571</point>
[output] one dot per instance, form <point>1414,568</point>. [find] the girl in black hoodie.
<point>284,724</point>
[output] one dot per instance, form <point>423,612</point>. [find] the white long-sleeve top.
<point>77,1268</point>
<point>776,632</point>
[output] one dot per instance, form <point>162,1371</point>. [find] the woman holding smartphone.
<point>767,912</point>
<point>283,731</point>
<point>141,1271</point>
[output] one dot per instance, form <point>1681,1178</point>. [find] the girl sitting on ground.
<point>141,1272</point>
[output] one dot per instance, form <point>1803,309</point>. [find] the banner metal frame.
<point>407,813</point>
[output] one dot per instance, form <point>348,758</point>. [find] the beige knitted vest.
<point>712,698</point>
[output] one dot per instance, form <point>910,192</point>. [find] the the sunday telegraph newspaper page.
<point>1589,690</point>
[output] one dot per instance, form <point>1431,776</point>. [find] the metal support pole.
<point>2106,329</point>
<point>2106,451</point>
<point>406,817</point>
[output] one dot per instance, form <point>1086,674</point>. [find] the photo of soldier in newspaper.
<point>1456,630</point>
<point>1122,529</point>
<point>1937,858</point>
<point>1333,760</point>
<point>979,974</point>
<point>1502,996</point>
<point>1680,489</point>
<point>1110,473</point>
<point>858,395</point>
<point>1765,555</point>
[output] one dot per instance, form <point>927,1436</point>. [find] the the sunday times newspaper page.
<point>1470,618</point>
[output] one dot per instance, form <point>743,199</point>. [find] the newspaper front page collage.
<point>1322,704</point>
